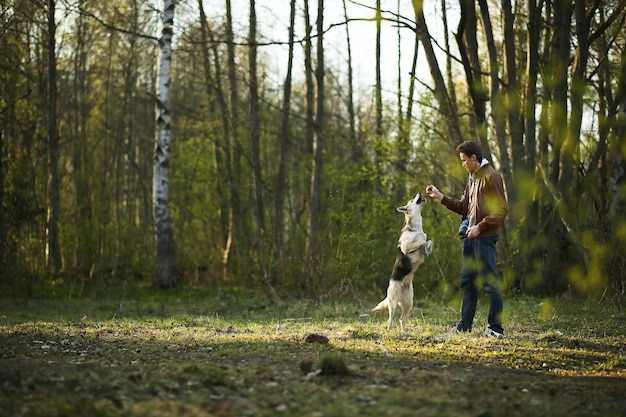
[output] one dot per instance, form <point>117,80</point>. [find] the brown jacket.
<point>491,202</point>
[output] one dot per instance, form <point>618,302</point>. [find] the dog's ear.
<point>402,209</point>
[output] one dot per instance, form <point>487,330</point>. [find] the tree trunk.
<point>409,106</point>
<point>240,242</point>
<point>83,241</point>
<point>318,146</point>
<point>378,141</point>
<point>352,137</point>
<point>167,271</point>
<point>255,139</point>
<point>532,69</point>
<point>284,142</point>
<point>559,248</point>
<point>577,92</point>
<point>558,62</point>
<point>255,134</point>
<point>403,139</point>
<point>468,48</point>
<point>498,106</point>
<point>400,113</point>
<point>617,199</point>
<point>609,165</point>
<point>447,108</point>
<point>54,203</point>
<point>221,146</point>
<point>512,101</point>
<point>310,85</point>
<point>449,54</point>
<point>530,229</point>
<point>4,258</point>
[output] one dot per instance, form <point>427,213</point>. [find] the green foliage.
<point>559,238</point>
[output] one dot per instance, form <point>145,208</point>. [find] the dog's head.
<point>413,207</point>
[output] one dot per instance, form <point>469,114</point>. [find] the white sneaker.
<point>493,333</point>
<point>456,330</point>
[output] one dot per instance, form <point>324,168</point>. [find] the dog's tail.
<point>382,306</point>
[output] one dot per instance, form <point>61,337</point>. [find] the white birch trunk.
<point>167,275</point>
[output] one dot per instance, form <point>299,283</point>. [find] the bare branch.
<point>84,12</point>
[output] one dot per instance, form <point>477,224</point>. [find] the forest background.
<point>137,150</point>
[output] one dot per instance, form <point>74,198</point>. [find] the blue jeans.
<point>479,261</point>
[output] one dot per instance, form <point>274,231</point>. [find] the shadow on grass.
<point>152,358</point>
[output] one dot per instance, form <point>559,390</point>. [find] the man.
<point>483,207</point>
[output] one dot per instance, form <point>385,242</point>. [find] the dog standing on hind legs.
<point>412,249</point>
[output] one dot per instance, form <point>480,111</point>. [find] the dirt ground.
<point>200,365</point>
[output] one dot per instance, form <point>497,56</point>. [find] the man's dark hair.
<point>470,148</point>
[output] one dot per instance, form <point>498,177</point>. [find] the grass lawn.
<point>188,352</point>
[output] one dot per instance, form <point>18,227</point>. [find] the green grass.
<point>192,352</point>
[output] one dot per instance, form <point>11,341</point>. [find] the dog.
<point>412,249</point>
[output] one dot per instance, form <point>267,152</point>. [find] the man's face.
<point>470,163</point>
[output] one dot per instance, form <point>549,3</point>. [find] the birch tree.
<point>166,275</point>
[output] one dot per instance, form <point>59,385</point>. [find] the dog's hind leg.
<point>406,311</point>
<point>394,296</point>
<point>386,305</point>
<point>389,306</point>
<point>406,302</point>
<point>392,309</point>
<point>390,303</point>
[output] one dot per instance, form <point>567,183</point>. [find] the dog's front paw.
<point>428,248</point>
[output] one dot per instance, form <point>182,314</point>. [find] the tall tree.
<point>84,248</point>
<point>403,142</point>
<point>255,142</point>
<point>313,224</point>
<point>447,107</point>
<point>54,204</point>
<point>352,138</point>
<point>308,74</point>
<point>467,43</point>
<point>413,75</point>
<point>530,88</point>
<point>378,134</point>
<point>237,236</point>
<point>284,141</point>
<point>556,78</point>
<point>221,138</point>
<point>3,229</point>
<point>497,98</point>
<point>577,90</point>
<point>167,270</point>
<point>512,97</point>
